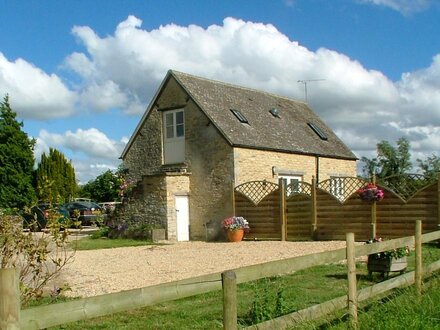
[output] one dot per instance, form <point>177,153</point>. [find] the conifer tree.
<point>55,178</point>
<point>16,160</point>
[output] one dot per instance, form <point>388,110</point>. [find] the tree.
<point>55,178</point>
<point>390,160</point>
<point>16,160</point>
<point>104,188</point>
<point>430,166</point>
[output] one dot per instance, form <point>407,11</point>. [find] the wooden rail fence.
<point>11,317</point>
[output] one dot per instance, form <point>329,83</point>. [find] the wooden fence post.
<point>229,284</point>
<point>418,247</point>
<point>282,187</point>
<point>373,214</point>
<point>314,211</point>
<point>351,276</point>
<point>9,299</point>
<point>438,201</point>
<point>373,220</point>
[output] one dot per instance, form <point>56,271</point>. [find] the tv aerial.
<point>305,82</point>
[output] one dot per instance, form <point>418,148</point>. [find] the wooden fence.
<point>11,317</point>
<point>329,209</point>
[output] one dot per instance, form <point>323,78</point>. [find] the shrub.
<point>39,256</point>
<point>103,231</point>
<point>135,230</point>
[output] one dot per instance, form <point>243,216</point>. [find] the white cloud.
<point>33,93</point>
<point>89,169</point>
<point>104,96</point>
<point>86,168</point>
<point>81,65</point>
<point>133,61</point>
<point>420,91</point>
<point>405,7</point>
<point>41,147</point>
<point>125,69</point>
<point>90,151</point>
<point>90,142</point>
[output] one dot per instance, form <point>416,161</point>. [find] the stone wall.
<point>210,161</point>
<point>329,167</point>
<point>176,184</point>
<point>256,165</point>
<point>145,154</point>
<point>141,208</point>
<point>208,169</point>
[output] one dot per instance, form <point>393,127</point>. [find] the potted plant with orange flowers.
<point>235,228</point>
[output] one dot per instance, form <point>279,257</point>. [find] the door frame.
<point>182,214</point>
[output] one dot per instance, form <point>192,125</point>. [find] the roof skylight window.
<point>240,116</point>
<point>275,112</point>
<point>318,131</point>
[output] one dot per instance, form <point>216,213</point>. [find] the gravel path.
<point>103,271</point>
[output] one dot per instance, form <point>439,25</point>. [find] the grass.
<point>403,309</point>
<point>408,310</point>
<point>88,243</point>
<point>302,289</point>
<point>98,240</point>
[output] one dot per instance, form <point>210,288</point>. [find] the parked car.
<point>81,199</point>
<point>85,211</point>
<point>108,207</point>
<point>36,218</point>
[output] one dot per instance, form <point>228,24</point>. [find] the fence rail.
<point>51,315</point>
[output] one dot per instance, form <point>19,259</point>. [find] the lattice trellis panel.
<point>342,187</point>
<point>256,191</point>
<point>300,187</point>
<point>405,185</point>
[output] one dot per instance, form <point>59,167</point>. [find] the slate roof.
<point>289,133</point>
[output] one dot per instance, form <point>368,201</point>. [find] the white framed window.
<point>174,136</point>
<point>291,182</point>
<point>174,122</point>
<point>337,187</point>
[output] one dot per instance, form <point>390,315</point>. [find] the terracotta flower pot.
<point>235,235</point>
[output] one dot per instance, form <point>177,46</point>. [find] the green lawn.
<point>260,299</point>
<point>88,243</point>
<point>403,309</point>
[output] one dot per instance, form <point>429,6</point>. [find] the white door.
<point>182,218</point>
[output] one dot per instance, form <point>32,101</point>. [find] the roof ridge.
<point>259,91</point>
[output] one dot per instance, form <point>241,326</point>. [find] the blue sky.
<point>80,73</point>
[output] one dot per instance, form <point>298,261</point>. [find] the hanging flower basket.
<point>371,193</point>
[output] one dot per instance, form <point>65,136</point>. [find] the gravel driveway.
<point>111,270</point>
